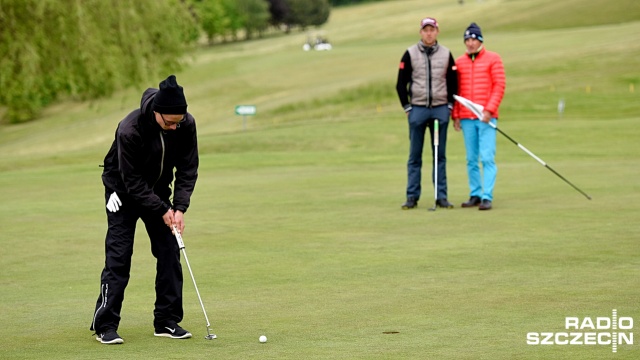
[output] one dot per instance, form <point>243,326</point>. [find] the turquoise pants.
<point>480,143</point>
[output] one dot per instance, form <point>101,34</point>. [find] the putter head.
<point>433,208</point>
<point>210,336</point>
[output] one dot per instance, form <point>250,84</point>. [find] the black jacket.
<point>142,158</point>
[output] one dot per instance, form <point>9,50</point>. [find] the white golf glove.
<point>114,203</point>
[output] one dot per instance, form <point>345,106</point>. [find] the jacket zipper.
<point>430,96</point>
<point>473,69</point>
<point>161,160</point>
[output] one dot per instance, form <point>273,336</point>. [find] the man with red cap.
<point>426,83</point>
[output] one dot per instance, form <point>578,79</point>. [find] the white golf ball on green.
<point>263,339</point>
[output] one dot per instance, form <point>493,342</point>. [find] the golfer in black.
<point>150,143</point>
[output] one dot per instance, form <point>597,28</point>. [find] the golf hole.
<point>391,332</point>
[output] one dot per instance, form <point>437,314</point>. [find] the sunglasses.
<point>171,123</point>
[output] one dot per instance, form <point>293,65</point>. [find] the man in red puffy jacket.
<point>481,79</point>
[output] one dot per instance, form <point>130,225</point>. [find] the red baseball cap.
<point>428,21</point>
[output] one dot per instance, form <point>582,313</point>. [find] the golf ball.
<point>263,339</point>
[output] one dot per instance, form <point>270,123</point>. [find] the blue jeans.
<point>421,118</point>
<point>480,143</point>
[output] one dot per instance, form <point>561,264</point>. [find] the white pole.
<point>436,142</point>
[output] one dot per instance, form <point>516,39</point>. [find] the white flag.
<point>475,108</point>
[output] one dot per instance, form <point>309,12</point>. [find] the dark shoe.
<point>473,201</point>
<point>485,205</point>
<point>410,204</point>
<point>443,203</point>
<point>174,332</point>
<point>109,337</point>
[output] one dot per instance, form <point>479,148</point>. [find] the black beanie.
<point>473,32</point>
<point>170,98</point>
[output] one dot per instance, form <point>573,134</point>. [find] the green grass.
<point>295,229</point>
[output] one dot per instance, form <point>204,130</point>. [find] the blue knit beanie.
<point>473,32</point>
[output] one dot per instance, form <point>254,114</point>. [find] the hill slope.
<point>579,51</point>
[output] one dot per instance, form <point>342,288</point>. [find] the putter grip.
<point>436,132</point>
<point>178,238</point>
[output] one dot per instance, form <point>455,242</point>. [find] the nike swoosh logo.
<point>170,329</point>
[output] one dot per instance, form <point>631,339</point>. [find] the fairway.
<point>295,229</point>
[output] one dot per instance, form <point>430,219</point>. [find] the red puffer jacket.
<point>481,79</point>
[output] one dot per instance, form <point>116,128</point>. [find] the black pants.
<point>115,275</point>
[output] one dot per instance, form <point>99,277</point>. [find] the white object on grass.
<point>263,339</point>
<point>561,106</point>
<point>323,47</point>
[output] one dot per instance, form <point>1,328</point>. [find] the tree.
<point>234,18</point>
<point>349,2</point>
<point>212,18</point>
<point>305,13</point>
<point>278,10</point>
<point>255,16</point>
<point>320,11</point>
<point>98,47</point>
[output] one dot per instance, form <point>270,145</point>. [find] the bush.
<point>98,47</point>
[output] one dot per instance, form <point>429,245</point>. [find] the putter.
<point>436,142</point>
<point>478,109</point>
<point>178,236</point>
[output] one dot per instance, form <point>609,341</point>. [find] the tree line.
<point>81,50</point>
<point>224,20</point>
